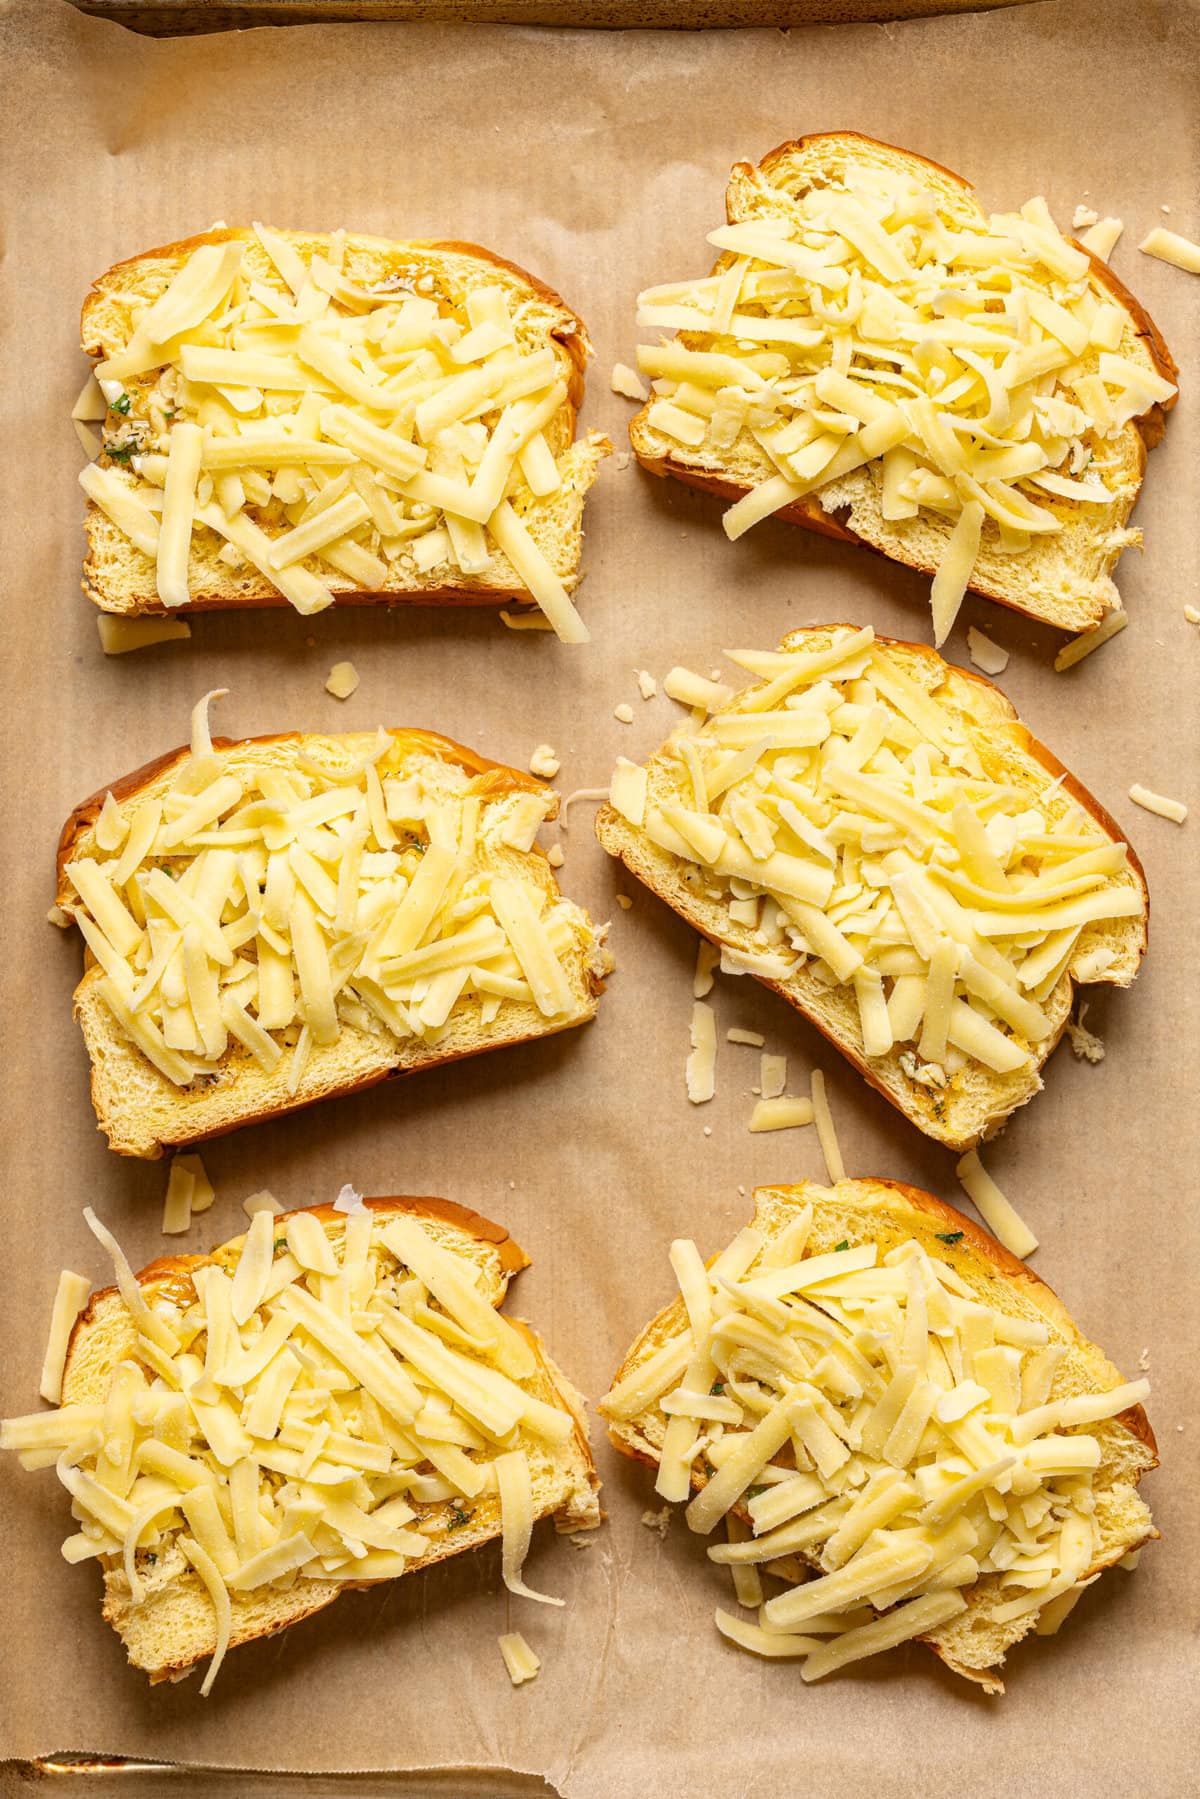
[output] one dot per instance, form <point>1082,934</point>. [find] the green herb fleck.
<point>844,1244</point>
<point>708,1467</point>
<point>458,1517</point>
<point>279,1243</point>
<point>753,1492</point>
<point>120,452</point>
<point>949,1236</point>
<point>718,1386</point>
<point>121,405</point>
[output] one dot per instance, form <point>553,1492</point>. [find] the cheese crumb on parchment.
<point>342,681</point>
<point>544,762</point>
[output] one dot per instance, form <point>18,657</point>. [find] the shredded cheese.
<point>627,382</point>
<point>864,330</point>
<point>781,1114</point>
<point>1175,810</point>
<point>1169,246</point>
<point>701,1072</point>
<point>70,1297</point>
<point>252,901</point>
<point>996,1211</point>
<point>826,1135</point>
<point>519,1659</point>
<point>848,821</point>
<point>355,437</point>
<point>1083,645</point>
<point>342,680</point>
<point>877,1434</point>
<point>306,1433</point>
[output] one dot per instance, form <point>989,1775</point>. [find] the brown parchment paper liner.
<point>599,162</point>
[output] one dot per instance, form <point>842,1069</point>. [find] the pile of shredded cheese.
<point>975,365</point>
<point>851,824</point>
<point>329,433</point>
<point>318,1402</point>
<point>264,907</point>
<point>867,1412</point>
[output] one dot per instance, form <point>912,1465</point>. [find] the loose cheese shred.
<point>1112,623</point>
<point>177,1205</point>
<point>118,636</point>
<point>627,382</point>
<point>826,1135</point>
<point>701,1071</point>
<point>781,1114</point>
<point>519,1659</point>
<point>878,1435</point>
<point>70,1297</point>
<point>995,1210</point>
<point>342,680</point>
<point>293,1440</point>
<point>1169,246</point>
<point>370,431</point>
<point>1175,810</point>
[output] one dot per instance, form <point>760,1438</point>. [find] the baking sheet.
<point>167,17</point>
<point>599,163</point>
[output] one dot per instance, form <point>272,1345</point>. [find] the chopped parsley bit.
<point>120,452</point>
<point>844,1244</point>
<point>718,1386</point>
<point>121,405</point>
<point>458,1517</point>
<point>708,1467</point>
<point>949,1236</point>
<point>752,1492</point>
<point>279,1243</point>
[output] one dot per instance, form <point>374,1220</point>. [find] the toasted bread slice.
<point>794,1224</point>
<point>957,1098</point>
<point>375,560</point>
<point>168,1625</point>
<point>144,1106</point>
<point>1063,574</point>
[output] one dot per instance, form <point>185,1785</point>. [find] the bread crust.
<point>496,779</point>
<point>610,827</point>
<point>571,337</point>
<point>807,511</point>
<point>173,1275</point>
<point>975,1245</point>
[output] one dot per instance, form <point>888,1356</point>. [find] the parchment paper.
<point>598,162</point>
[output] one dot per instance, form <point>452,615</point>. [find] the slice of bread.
<point>142,1112</point>
<point>888,1214</point>
<point>121,578</point>
<point>1063,579</point>
<point>172,1628</point>
<point>977,1099</point>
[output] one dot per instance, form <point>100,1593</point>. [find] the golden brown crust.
<point>499,778</point>
<point>609,821</point>
<point>571,337</point>
<point>808,512</point>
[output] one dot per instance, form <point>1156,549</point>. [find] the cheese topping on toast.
<point>329,431</point>
<point>258,903</point>
<point>886,844</point>
<point>979,367</point>
<point>322,1400</point>
<point>867,1414</point>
